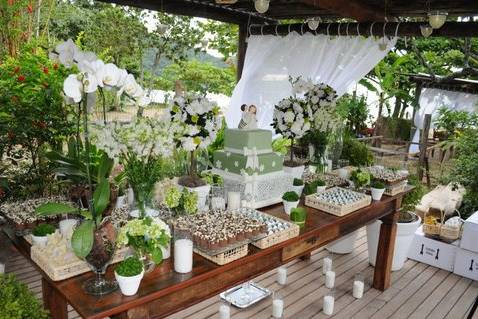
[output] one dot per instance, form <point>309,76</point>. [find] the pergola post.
<point>422,163</point>
<point>241,50</point>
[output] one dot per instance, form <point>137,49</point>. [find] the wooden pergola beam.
<point>405,29</point>
<point>349,9</point>
<point>193,8</point>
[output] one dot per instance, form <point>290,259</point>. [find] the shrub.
<point>129,267</point>
<point>43,230</point>
<point>412,198</point>
<point>290,196</point>
<point>377,184</point>
<point>17,302</point>
<point>298,182</point>
<point>356,152</point>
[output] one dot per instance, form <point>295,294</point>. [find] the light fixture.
<point>261,5</point>
<point>426,30</point>
<point>313,23</point>
<point>437,19</point>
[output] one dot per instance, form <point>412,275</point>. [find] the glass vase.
<point>143,201</point>
<point>99,258</point>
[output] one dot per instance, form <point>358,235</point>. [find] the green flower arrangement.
<point>290,196</point>
<point>43,230</point>
<point>146,236</point>
<point>130,267</point>
<point>181,201</point>
<point>360,178</point>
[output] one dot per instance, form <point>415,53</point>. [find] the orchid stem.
<point>87,149</point>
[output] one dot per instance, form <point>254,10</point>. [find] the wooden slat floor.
<point>418,290</point>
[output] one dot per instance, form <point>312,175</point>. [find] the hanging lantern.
<point>437,19</point>
<point>261,5</point>
<point>162,28</point>
<point>313,23</point>
<point>426,30</point>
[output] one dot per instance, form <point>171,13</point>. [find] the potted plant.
<point>148,237</point>
<point>129,274</point>
<point>407,224</point>
<point>195,123</point>
<point>298,215</point>
<point>312,187</point>
<point>377,189</point>
<point>321,185</point>
<point>40,232</point>
<point>290,200</point>
<point>298,185</point>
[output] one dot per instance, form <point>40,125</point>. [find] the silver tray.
<point>237,296</point>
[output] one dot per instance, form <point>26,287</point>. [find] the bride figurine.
<point>248,120</point>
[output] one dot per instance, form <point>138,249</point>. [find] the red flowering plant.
<point>33,117</point>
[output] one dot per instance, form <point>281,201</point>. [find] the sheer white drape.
<point>338,62</point>
<point>431,100</point>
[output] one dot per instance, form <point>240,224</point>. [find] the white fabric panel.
<point>338,62</point>
<point>431,100</point>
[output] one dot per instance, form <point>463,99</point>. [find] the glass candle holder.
<point>218,197</point>
<point>329,301</point>
<point>233,197</point>
<point>183,251</point>
<point>358,286</point>
<point>277,306</point>
<point>225,310</point>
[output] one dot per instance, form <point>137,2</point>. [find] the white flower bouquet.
<point>195,121</point>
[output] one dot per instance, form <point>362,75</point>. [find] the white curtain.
<point>431,100</point>
<point>338,62</point>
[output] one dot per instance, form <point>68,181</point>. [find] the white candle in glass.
<point>183,256</point>
<point>218,203</point>
<point>329,279</point>
<point>282,275</point>
<point>277,308</point>
<point>224,312</point>
<point>329,305</point>
<point>233,200</point>
<point>2,268</point>
<point>66,226</point>
<point>329,165</point>
<point>358,289</point>
<point>327,265</point>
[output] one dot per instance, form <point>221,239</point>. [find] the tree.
<point>223,37</point>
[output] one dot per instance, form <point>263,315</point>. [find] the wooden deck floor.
<point>418,291</point>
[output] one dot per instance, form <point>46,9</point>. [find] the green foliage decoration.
<point>43,230</point>
<point>377,184</point>
<point>298,182</point>
<point>290,196</point>
<point>356,152</point>
<point>298,215</point>
<point>412,198</point>
<point>17,302</point>
<point>129,267</point>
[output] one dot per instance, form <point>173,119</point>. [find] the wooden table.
<point>163,292</point>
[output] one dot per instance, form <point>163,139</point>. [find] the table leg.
<point>306,256</point>
<point>54,301</point>
<point>386,245</point>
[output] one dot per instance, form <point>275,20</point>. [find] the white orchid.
<point>73,88</point>
<point>66,52</point>
<point>111,75</point>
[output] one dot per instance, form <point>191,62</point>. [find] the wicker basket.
<point>74,267</point>
<point>278,237</point>
<point>227,256</point>
<point>334,209</point>
<point>450,233</point>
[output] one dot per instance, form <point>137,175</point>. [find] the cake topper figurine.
<point>248,120</point>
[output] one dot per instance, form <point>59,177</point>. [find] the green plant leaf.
<point>157,256</point>
<point>49,209</point>
<point>105,166</point>
<point>101,196</point>
<point>82,239</point>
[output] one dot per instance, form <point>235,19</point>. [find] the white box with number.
<point>432,252</point>
<point>466,264</point>
<point>469,239</point>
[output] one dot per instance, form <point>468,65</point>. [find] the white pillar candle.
<point>277,308</point>
<point>282,275</point>
<point>66,226</point>
<point>224,312</point>
<point>329,165</point>
<point>233,200</point>
<point>358,289</point>
<point>328,305</point>
<point>329,279</point>
<point>327,265</point>
<point>183,256</point>
<point>218,203</point>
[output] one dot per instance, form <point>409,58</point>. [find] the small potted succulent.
<point>298,215</point>
<point>129,274</point>
<point>298,186</point>
<point>290,200</point>
<point>40,232</point>
<point>377,188</point>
